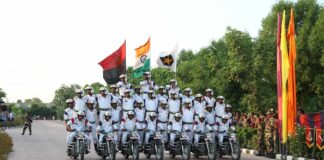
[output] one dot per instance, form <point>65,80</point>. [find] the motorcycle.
<point>181,146</point>
<point>78,148</point>
<point>131,146</point>
<point>107,149</point>
<point>205,146</point>
<point>155,146</point>
<point>230,147</point>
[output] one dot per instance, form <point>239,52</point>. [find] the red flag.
<point>279,73</point>
<point>114,65</point>
<point>309,137</point>
<point>319,139</point>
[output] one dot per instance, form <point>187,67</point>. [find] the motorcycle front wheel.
<point>159,151</point>
<point>236,151</point>
<point>211,151</point>
<point>186,152</point>
<point>135,151</point>
<point>112,151</point>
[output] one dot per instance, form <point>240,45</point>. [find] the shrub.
<point>6,145</point>
<point>247,137</point>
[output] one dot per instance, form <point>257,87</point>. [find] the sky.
<point>44,44</point>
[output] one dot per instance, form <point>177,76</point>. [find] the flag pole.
<point>150,56</point>
<point>175,72</point>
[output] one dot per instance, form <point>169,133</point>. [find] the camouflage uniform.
<point>269,136</point>
<point>261,138</point>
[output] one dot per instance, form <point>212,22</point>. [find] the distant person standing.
<point>3,116</point>
<point>28,122</point>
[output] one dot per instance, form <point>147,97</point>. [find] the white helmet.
<point>140,101</point>
<point>150,92</point>
<point>201,116</point>
<point>210,90</point>
<point>209,105</point>
<point>220,97</point>
<point>69,101</point>
<point>177,115</point>
<point>198,95</point>
<point>161,87</point>
<point>90,101</point>
<point>79,91</point>
<point>146,73</point>
<point>130,113</point>
<point>102,89</point>
<point>126,91</point>
<point>164,102</point>
<point>89,88</point>
<point>187,90</point>
<point>113,101</point>
<point>80,113</point>
<point>228,106</point>
<point>113,86</point>
<point>122,76</point>
<point>224,117</point>
<point>187,101</point>
<point>107,113</point>
<point>173,81</point>
<point>172,92</point>
<point>152,114</point>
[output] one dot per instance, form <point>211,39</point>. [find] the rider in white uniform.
<point>200,128</point>
<point>79,101</point>
<point>188,114</point>
<point>91,96</point>
<point>174,105</point>
<point>161,96</point>
<point>91,116</point>
<point>175,126</point>
<point>122,85</point>
<point>105,127</point>
<point>79,124</point>
<point>127,103</point>
<point>150,103</point>
<point>222,129</point>
<point>128,126</point>
<point>199,105</point>
<point>209,97</point>
<point>211,120</point>
<point>140,118</point>
<point>103,102</point>
<point>220,108</point>
<point>150,126</point>
<point>162,119</point>
<point>187,96</point>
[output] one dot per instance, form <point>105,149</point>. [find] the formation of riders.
<point>129,109</point>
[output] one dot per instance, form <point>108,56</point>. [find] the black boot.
<point>95,147</point>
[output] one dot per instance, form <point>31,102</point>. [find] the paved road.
<point>48,142</point>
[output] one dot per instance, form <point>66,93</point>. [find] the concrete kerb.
<point>289,157</point>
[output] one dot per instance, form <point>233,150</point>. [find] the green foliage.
<point>6,145</point>
<point>247,137</point>
<point>294,143</point>
<point>243,69</point>
<point>2,93</point>
<point>61,95</point>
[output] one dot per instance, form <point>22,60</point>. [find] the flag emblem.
<point>143,58</point>
<point>167,60</point>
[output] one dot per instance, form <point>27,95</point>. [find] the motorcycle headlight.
<point>110,134</point>
<point>208,135</point>
<point>232,135</point>
<point>184,135</point>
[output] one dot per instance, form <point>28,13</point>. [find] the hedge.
<point>6,145</point>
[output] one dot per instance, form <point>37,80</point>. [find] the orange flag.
<point>291,97</point>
